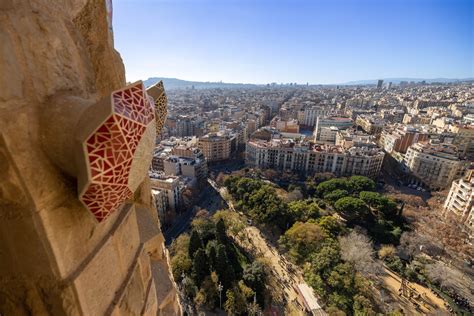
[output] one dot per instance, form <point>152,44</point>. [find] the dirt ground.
<point>422,301</point>
<point>284,276</point>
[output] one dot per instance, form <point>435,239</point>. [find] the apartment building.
<point>216,146</point>
<point>436,165</point>
<point>169,201</point>
<point>464,139</point>
<point>287,126</point>
<point>195,169</point>
<point>351,137</point>
<point>340,123</point>
<point>460,202</point>
<point>370,124</point>
<point>289,155</point>
<point>309,115</point>
<point>402,137</point>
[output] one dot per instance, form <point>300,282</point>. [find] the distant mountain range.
<point>173,83</point>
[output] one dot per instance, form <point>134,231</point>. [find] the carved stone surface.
<point>58,73</point>
<point>157,92</point>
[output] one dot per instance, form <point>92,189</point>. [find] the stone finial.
<point>111,146</point>
<point>157,92</point>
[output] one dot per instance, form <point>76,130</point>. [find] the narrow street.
<point>210,200</point>
<point>284,275</point>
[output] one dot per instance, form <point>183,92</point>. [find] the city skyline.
<point>319,42</point>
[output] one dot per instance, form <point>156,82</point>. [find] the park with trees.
<point>213,272</point>
<point>333,231</point>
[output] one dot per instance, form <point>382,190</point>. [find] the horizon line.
<point>312,84</point>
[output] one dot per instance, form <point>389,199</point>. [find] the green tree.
<point>180,244</point>
<point>352,209</point>
<point>363,306</point>
<point>200,266</point>
<point>303,210</point>
<point>209,288</point>
<point>266,207</point>
<point>180,263</point>
<point>361,183</point>
<point>335,195</point>
<point>211,253</point>
<point>326,258</point>
<point>230,302</point>
<point>373,199</point>
<point>245,290</point>
<point>195,243</point>
<point>340,301</point>
<point>334,311</point>
<point>224,269</point>
<point>240,300</point>
<point>384,206</point>
<point>330,226</point>
<point>220,231</point>
<point>206,229</point>
<point>317,283</point>
<point>331,185</point>
<point>302,239</point>
<point>254,275</point>
<point>190,289</point>
<point>233,223</point>
<point>341,278</point>
<point>342,283</point>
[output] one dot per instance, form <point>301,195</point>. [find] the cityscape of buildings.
<point>176,197</point>
<point>426,129</point>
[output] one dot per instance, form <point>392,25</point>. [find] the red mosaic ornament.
<point>110,150</point>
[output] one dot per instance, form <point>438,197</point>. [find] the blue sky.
<point>319,41</point>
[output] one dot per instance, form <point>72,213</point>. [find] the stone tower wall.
<point>55,258</point>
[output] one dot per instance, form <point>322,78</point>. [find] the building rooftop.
<point>442,150</point>
<point>307,146</point>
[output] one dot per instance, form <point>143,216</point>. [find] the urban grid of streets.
<point>415,130</point>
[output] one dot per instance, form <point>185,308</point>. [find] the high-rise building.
<point>379,84</point>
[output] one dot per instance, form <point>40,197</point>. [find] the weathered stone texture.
<point>55,257</point>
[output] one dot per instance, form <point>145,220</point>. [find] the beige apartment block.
<point>460,202</point>
<point>215,146</point>
<point>436,165</point>
<point>287,156</point>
